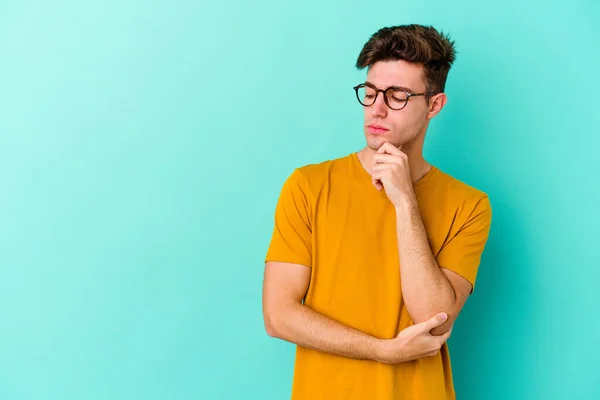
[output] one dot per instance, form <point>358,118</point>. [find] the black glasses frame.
<point>385,95</point>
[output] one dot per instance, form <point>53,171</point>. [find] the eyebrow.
<point>395,87</point>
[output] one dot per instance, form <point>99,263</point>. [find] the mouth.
<point>376,129</point>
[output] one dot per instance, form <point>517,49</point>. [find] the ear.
<point>436,103</point>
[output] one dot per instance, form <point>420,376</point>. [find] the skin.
<point>433,296</point>
<point>395,160</point>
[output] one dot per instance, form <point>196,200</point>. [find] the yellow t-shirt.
<point>331,218</point>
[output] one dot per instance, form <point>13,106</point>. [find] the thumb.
<point>377,183</point>
<point>436,321</point>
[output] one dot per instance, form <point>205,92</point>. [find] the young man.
<point>374,254</point>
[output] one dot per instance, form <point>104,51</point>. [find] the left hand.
<point>390,171</point>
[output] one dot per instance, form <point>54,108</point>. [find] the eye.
<point>398,96</point>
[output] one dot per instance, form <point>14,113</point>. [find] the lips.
<point>376,129</point>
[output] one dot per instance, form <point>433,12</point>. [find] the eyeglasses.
<point>394,97</point>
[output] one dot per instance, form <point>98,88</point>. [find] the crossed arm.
<point>285,317</point>
<point>434,297</point>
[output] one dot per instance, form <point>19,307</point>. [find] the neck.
<point>417,164</point>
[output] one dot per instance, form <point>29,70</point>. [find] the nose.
<point>379,108</point>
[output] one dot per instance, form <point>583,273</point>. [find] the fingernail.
<point>444,316</point>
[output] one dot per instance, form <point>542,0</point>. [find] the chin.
<point>375,142</point>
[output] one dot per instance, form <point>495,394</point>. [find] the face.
<point>400,127</point>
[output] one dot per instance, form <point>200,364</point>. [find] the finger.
<point>383,167</point>
<point>433,353</point>
<point>435,321</point>
<point>387,158</point>
<point>389,148</point>
<point>376,180</point>
<point>380,178</point>
<point>446,335</point>
<point>381,173</point>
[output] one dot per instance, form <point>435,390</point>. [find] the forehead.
<point>396,73</point>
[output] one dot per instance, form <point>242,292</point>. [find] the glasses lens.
<point>366,95</point>
<point>397,98</point>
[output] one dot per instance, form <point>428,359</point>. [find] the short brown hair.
<point>416,44</point>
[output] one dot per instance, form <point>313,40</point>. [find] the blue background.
<point>143,146</point>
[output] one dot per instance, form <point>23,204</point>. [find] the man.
<point>374,254</point>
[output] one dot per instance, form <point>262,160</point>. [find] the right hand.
<point>415,341</point>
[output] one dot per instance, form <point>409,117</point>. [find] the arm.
<point>427,289</point>
<point>286,283</point>
<point>285,317</point>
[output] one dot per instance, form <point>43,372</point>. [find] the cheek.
<point>408,121</point>
<point>402,122</point>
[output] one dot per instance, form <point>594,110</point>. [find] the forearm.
<point>305,327</point>
<point>425,288</point>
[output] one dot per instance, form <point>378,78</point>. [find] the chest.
<point>361,222</point>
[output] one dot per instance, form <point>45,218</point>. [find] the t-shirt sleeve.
<point>291,240</point>
<point>462,253</point>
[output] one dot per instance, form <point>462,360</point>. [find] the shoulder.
<point>322,168</point>
<point>311,177</point>
<point>464,196</point>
